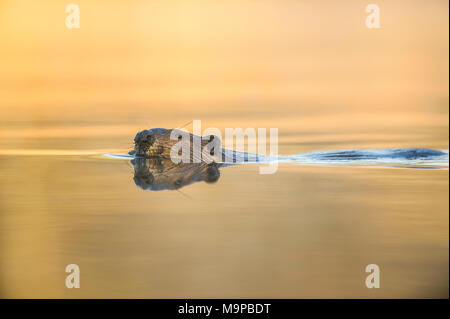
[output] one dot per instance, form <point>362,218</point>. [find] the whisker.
<point>185,195</point>
<point>183,126</point>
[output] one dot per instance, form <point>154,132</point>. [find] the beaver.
<point>157,142</point>
<point>156,169</point>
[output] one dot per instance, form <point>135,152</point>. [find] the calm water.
<point>306,231</point>
<point>314,72</point>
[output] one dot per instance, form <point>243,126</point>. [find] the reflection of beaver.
<point>162,174</point>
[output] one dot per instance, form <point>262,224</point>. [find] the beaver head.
<point>155,142</point>
<point>158,142</point>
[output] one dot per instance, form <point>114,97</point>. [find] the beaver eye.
<point>178,182</point>
<point>180,137</point>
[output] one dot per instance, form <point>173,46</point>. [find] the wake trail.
<point>400,157</point>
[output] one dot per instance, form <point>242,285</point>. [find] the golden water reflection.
<point>310,68</point>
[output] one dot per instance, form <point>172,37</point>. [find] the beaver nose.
<point>144,136</point>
